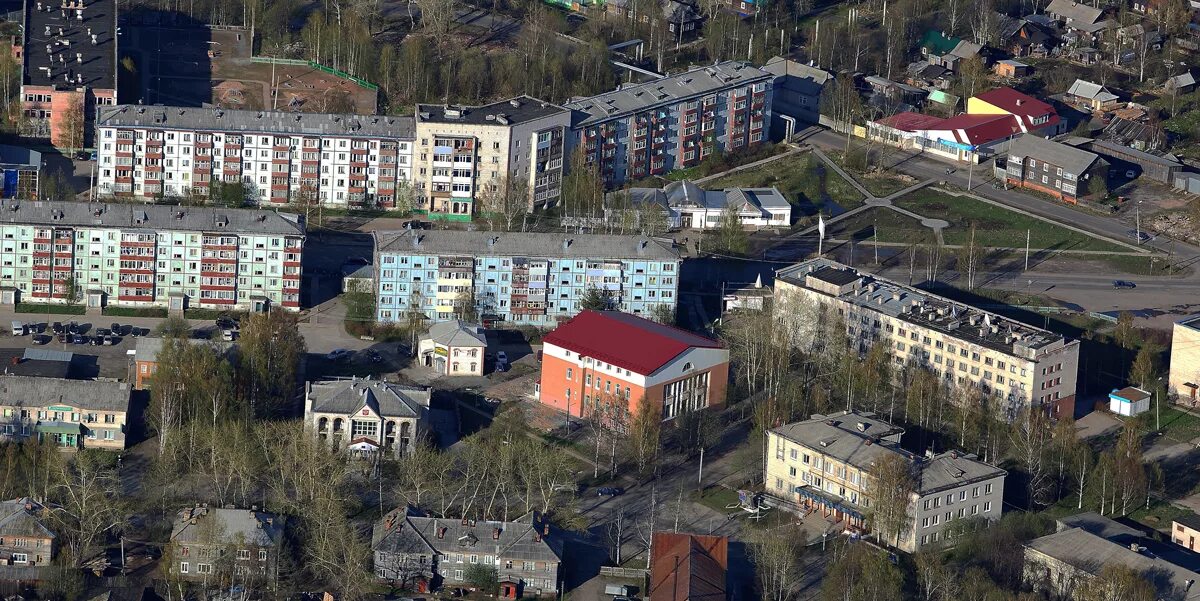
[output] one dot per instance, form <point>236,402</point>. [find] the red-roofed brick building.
<point>600,358</point>
<point>688,567</point>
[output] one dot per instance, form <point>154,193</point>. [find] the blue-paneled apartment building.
<point>525,278</point>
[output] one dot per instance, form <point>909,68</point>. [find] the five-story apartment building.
<point>1017,364</point>
<point>299,158</point>
<point>675,122</point>
<point>531,278</point>
<point>466,154</point>
<point>150,255</point>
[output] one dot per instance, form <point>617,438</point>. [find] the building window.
<point>183,567</point>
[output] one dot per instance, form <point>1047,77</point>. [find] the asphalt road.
<point>1162,299</point>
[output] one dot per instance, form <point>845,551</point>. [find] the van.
<point>18,328</point>
<point>618,590</point>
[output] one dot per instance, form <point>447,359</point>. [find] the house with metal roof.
<point>1093,96</point>
<point>1077,15</point>
<point>219,545</point>
<point>427,554</point>
<point>72,414</point>
<point>688,206</point>
<point>365,417</point>
<point>1054,168</point>
<point>453,348</point>
<point>825,464</point>
<point>608,359</point>
<point>690,567</point>
<point>27,539</point>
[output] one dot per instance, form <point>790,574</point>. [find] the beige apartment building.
<point>1017,364</point>
<point>1185,361</point>
<point>462,153</point>
<point>824,464</point>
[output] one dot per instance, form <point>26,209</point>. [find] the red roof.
<point>980,129</point>
<point>1024,106</point>
<point>624,340</point>
<point>911,122</point>
<point>689,567</point>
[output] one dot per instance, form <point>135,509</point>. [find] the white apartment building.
<point>1018,364</point>
<point>149,255</point>
<point>826,464</point>
<point>461,151</point>
<point>338,160</point>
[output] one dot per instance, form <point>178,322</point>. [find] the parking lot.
<point>103,361</point>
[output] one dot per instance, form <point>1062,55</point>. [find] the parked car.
<point>78,339</point>
<point>338,354</point>
<point>374,356</point>
<point>42,339</point>
<point>96,340</point>
<point>228,335</point>
<point>1123,284</point>
<point>501,357</point>
<point>56,327</point>
<point>115,327</point>
<point>610,491</point>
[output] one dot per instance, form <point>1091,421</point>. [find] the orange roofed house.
<point>688,567</point>
<point>601,357</point>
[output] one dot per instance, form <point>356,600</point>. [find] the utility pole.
<point>1026,250</point>
<point>1137,216</point>
<point>700,474</point>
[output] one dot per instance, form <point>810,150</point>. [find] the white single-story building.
<point>1129,401</point>
<point>689,207</point>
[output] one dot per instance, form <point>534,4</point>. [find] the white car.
<point>338,354</point>
<point>501,357</point>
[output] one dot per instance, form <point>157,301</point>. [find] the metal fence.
<point>618,572</point>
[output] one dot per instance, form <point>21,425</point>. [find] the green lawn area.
<point>718,498</point>
<point>1176,424</point>
<point>996,226</point>
<point>1158,515</point>
<point>802,178</point>
<point>891,226</point>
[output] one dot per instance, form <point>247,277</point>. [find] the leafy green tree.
<point>359,300</point>
<point>483,577</point>
<point>597,299</point>
<point>270,349</point>
<point>1145,367</point>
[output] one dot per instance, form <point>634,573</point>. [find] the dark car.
<point>610,491</point>
<point>78,339</point>
<point>1123,284</point>
<point>115,327</point>
<point>96,341</point>
<point>57,327</point>
<point>374,356</point>
<point>42,339</point>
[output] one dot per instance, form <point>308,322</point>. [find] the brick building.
<point>68,68</point>
<point>673,123</point>
<point>603,358</point>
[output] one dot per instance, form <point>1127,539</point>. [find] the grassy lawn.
<point>1139,265</point>
<point>1158,515</point>
<point>891,226</point>
<point>996,226</point>
<point>718,498</point>
<point>802,178</point>
<point>1177,424</point>
<point>50,309</point>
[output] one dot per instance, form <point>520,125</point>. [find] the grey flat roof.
<point>952,469</point>
<point>256,122</point>
<point>524,244</point>
<point>693,83</point>
<point>98,63</point>
<point>1117,150</point>
<point>455,333</point>
<point>32,391</point>
<point>150,217</point>
<point>923,308</point>
<point>514,111</point>
<point>516,541</point>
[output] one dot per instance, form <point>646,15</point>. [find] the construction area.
<point>203,66</point>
